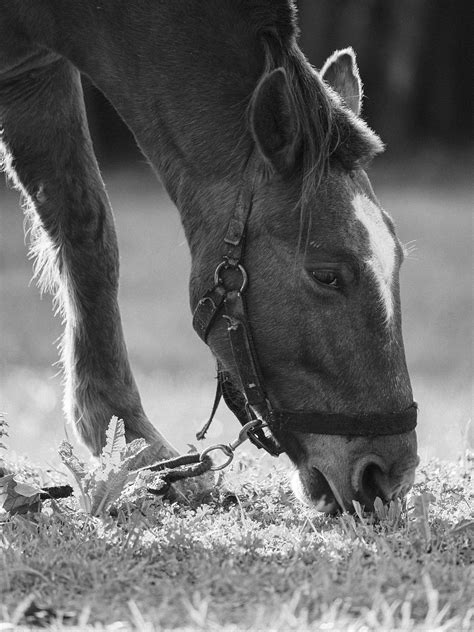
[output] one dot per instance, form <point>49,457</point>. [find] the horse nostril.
<point>373,482</point>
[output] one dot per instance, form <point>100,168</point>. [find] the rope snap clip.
<point>229,448</point>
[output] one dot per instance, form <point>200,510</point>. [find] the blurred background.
<point>416,66</point>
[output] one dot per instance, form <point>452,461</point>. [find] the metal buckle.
<point>257,434</point>
<point>263,442</point>
<point>203,301</point>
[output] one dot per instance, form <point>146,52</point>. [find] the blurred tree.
<point>415,60</point>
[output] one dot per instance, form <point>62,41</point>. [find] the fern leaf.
<point>78,471</point>
<point>70,460</point>
<point>132,451</point>
<point>107,490</point>
<point>133,448</point>
<point>3,430</point>
<point>115,442</point>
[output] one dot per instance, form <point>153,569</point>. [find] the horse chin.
<point>312,489</point>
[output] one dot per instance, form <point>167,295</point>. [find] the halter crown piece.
<point>248,400</point>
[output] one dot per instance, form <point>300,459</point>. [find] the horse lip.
<point>335,491</point>
<point>323,501</point>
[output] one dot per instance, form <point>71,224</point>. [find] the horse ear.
<point>341,73</point>
<point>274,122</point>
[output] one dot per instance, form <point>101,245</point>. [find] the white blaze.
<point>382,245</point>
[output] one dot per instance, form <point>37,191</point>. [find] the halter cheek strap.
<point>248,400</point>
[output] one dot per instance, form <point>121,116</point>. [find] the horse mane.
<point>330,132</point>
<point>272,16</point>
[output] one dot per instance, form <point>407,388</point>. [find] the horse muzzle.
<point>338,470</point>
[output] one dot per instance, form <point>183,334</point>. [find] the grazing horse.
<point>295,265</point>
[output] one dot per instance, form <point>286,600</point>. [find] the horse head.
<point>322,304</point>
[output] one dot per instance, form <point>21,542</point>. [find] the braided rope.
<point>60,491</point>
<point>195,467</point>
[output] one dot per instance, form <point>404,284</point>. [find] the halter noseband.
<point>249,401</point>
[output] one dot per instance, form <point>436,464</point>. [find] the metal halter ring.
<point>229,448</point>
<point>225,265</point>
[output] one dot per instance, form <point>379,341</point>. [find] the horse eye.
<point>327,277</point>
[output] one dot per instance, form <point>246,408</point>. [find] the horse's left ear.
<point>274,122</point>
<point>341,73</point>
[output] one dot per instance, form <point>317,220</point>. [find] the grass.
<point>263,562</point>
<point>266,562</point>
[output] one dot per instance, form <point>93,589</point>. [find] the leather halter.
<point>249,401</point>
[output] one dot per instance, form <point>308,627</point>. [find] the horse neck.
<point>200,157</point>
<point>187,110</point>
<point>180,76</point>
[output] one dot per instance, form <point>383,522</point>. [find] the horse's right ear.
<point>274,122</point>
<point>342,74</point>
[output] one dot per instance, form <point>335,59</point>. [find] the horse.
<point>294,281</point>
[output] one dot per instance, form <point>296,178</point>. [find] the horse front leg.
<point>47,151</point>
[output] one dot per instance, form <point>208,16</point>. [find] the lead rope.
<point>179,468</point>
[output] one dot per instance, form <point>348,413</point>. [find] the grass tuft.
<point>262,562</point>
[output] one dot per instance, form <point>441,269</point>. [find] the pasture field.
<point>260,562</point>
<point>265,562</point>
